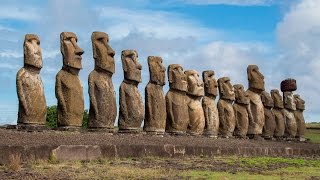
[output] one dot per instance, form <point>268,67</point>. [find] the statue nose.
<point>78,51</point>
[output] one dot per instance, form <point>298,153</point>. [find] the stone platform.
<point>61,145</point>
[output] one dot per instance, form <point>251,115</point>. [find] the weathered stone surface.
<point>209,106</point>
<point>270,123</point>
<point>68,90</point>
<point>256,86</point>
<point>32,102</point>
<point>194,94</point>
<point>103,108</point>
<point>176,101</point>
<point>288,85</point>
<point>298,114</point>
<point>131,107</point>
<point>278,113</point>
<point>241,111</point>
<point>289,108</point>
<point>155,102</point>
<point>225,108</point>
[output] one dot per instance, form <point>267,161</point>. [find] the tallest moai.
<point>256,115</point>
<point>69,91</point>
<point>32,102</point>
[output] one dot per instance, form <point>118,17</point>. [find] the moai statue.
<point>176,101</point>
<point>241,111</point>
<point>256,86</point>
<point>131,107</point>
<point>103,108</point>
<point>270,123</point>
<point>226,113</point>
<point>278,112</point>
<point>69,92</point>
<point>298,114</point>
<point>32,102</point>
<point>211,128</point>
<point>287,87</point>
<point>155,102</point>
<point>194,94</point>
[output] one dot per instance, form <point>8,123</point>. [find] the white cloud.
<point>24,13</point>
<point>299,37</point>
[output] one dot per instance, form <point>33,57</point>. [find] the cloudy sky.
<point>281,36</point>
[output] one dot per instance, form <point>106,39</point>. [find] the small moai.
<point>103,108</point>
<point>69,91</point>
<point>298,114</point>
<point>194,94</point>
<point>256,86</point>
<point>176,101</point>
<point>32,103</point>
<point>241,111</point>
<point>227,117</point>
<point>287,87</point>
<point>270,122</point>
<point>278,114</point>
<point>155,102</point>
<point>131,110</point>
<point>211,128</point>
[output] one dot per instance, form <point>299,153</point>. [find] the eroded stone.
<point>270,123</point>
<point>241,111</point>
<point>69,92</point>
<point>298,114</point>
<point>103,108</point>
<point>289,109</point>
<point>278,113</point>
<point>176,101</point>
<point>131,112</point>
<point>194,94</point>
<point>225,108</point>
<point>209,106</point>
<point>32,102</point>
<point>155,103</point>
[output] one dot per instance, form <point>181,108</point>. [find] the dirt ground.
<point>14,137</point>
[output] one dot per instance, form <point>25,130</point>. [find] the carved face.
<point>266,99</point>
<point>288,100</point>
<point>195,84</point>
<point>70,50</point>
<point>242,97</point>
<point>277,98</point>
<point>226,90</point>
<point>32,51</point>
<point>131,67</point>
<point>102,52</point>
<point>157,70</point>
<point>300,103</point>
<point>210,83</point>
<point>176,77</point>
<point>256,79</point>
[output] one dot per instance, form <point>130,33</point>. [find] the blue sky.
<point>281,36</point>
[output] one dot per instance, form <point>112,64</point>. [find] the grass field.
<point>164,168</point>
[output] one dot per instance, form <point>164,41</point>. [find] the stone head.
<point>300,103</point>
<point>70,50</point>
<point>157,70</point>
<point>210,83</point>
<point>195,83</point>
<point>102,53</point>
<point>242,97</point>
<point>131,66</point>
<point>255,78</point>
<point>177,78</point>
<point>277,98</point>
<point>226,90</point>
<point>32,51</point>
<point>289,101</point>
<point>267,100</point>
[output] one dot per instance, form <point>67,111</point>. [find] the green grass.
<point>313,135</point>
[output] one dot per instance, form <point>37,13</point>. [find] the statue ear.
<point>124,63</point>
<point>170,71</point>
<point>220,87</point>
<point>263,98</point>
